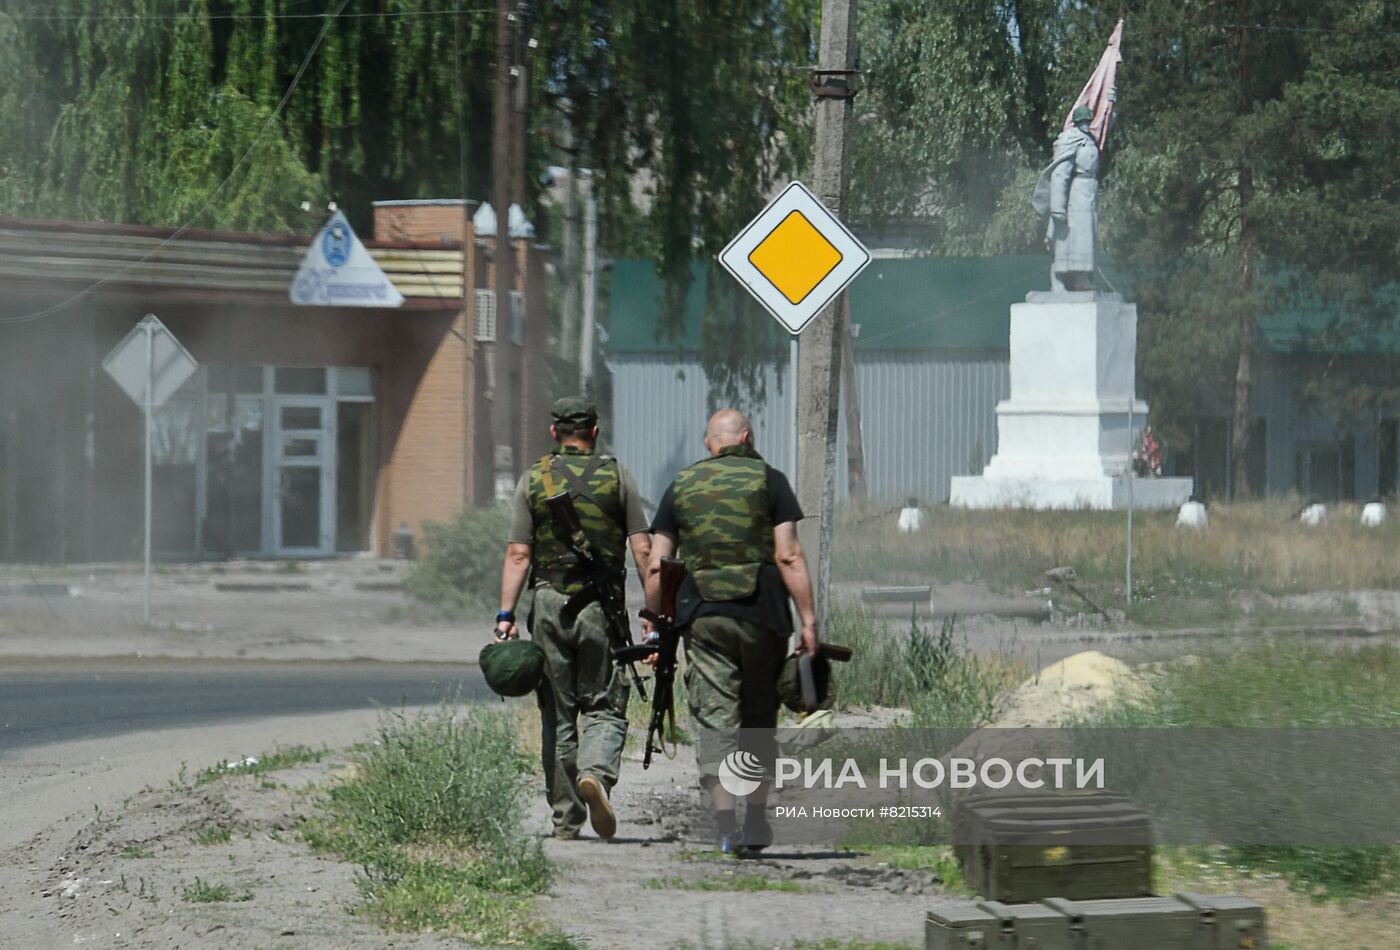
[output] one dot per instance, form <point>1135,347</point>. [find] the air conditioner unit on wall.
<point>484,316</point>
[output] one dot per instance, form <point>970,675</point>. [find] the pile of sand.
<point>1072,687</point>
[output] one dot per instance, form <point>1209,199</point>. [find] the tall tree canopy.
<point>1255,173</point>
<point>1252,169</point>
<point>687,113</point>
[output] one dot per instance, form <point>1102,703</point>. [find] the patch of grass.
<point>215,834</point>
<point>202,892</point>
<point>1281,684</point>
<point>933,674</point>
<point>936,858</point>
<point>1248,545</point>
<point>726,882</point>
<point>281,757</point>
<point>431,811</point>
<point>135,850</point>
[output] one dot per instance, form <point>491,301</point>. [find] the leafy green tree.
<point>692,111</point>
<point>688,113</point>
<point>953,118</point>
<point>1253,174</point>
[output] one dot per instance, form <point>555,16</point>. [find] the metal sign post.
<point>149,364</point>
<point>149,413</point>
<point>1129,580</point>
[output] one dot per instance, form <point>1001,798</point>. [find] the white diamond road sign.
<point>338,272</point>
<point>170,367</point>
<point>795,257</point>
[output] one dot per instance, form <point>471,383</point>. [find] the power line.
<point>276,113</point>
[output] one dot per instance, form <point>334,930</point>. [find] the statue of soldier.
<point>583,700</point>
<point>734,520</point>
<point>1068,192</point>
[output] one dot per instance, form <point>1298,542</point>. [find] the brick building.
<point>307,431</point>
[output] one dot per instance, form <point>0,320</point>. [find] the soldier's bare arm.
<point>516,569</point>
<point>662,545</point>
<point>792,564</point>
<point>513,574</point>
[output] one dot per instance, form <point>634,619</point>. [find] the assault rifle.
<point>662,644</point>
<point>603,585</point>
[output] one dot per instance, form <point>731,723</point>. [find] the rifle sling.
<point>578,483</point>
<point>576,603</point>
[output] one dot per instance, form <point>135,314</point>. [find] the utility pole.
<point>500,390</point>
<point>855,439</point>
<point>823,343</point>
<point>590,291</point>
<point>569,266</point>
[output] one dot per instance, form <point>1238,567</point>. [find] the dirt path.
<point>97,850</point>
<point>659,884</point>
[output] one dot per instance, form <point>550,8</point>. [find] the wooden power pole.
<point>500,376</point>
<point>823,343</point>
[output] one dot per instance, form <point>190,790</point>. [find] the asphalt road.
<point>55,701</point>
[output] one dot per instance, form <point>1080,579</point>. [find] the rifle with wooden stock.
<point>663,645</point>
<point>603,585</point>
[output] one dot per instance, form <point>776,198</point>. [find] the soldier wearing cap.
<point>583,701</point>
<point>734,520</point>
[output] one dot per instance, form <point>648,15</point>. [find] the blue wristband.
<point>507,615</point>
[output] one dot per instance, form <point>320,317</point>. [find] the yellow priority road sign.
<point>795,257</point>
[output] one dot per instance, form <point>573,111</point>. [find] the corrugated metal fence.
<point>926,416</point>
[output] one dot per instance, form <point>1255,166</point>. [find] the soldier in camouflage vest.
<point>733,519</point>
<point>583,702</point>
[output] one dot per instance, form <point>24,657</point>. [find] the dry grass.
<point>1296,920</point>
<point>1249,545</point>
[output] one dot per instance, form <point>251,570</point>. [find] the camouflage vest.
<point>726,532</point>
<point>600,511</point>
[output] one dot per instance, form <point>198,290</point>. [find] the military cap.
<point>574,410</point>
<point>1081,114</point>
<point>790,684</point>
<point>512,667</point>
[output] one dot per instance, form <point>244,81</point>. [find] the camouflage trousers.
<point>731,679</point>
<point>583,704</point>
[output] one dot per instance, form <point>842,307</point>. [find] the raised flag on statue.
<point>1099,91</point>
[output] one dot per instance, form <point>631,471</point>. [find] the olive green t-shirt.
<point>522,523</point>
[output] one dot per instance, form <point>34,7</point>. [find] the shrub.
<point>433,815</point>
<point>460,570</point>
<point>944,684</point>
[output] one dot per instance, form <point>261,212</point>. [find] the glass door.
<point>303,473</point>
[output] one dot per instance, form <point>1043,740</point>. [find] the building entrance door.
<point>302,476</point>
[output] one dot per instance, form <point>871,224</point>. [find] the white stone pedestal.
<point>1062,437</point>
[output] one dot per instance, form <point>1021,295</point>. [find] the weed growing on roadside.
<point>943,684</point>
<point>135,850</point>
<point>202,892</point>
<point>432,813</point>
<point>281,757</point>
<point>215,834</point>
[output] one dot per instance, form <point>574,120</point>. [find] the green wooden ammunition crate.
<point>1184,922</point>
<point>1229,923</point>
<point>1080,846</point>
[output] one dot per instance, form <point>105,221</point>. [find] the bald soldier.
<point>733,520</point>
<point>583,701</point>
